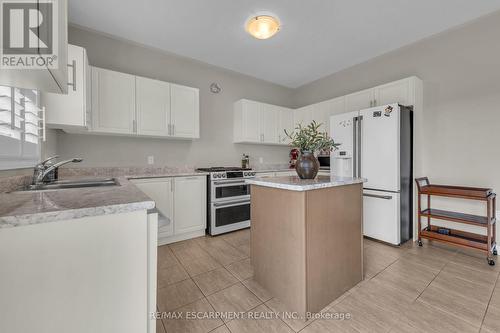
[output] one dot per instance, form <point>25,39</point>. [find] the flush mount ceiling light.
<point>263,26</point>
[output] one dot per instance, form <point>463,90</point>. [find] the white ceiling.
<point>318,37</point>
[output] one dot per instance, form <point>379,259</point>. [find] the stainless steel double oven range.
<point>228,199</point>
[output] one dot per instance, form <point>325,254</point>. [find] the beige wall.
<point>216,110</point>
<point>461,73</point>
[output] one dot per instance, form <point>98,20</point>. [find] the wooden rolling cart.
<point>451,236</point>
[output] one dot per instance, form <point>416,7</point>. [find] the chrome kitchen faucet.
<point>43,168</point>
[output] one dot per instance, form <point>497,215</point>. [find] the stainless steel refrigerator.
<point>377,144</point>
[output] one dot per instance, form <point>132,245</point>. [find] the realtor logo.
<point>28,34</point>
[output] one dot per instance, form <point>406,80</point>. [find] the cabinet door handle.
<point>355,146</point>
<point>374,102</point>
<point>173,129</point>
<point>134,126</point>
<point>73,67</point>
<point>44,128</point>
<point>360,124</point>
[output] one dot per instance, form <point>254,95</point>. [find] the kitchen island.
<point>306,239</point>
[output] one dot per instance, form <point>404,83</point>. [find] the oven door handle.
<point>234,182</point>
<point>230,204</point>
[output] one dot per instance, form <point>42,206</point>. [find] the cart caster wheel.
<point>420,243</point>
<point>495,252</point>
<point>491,262</point>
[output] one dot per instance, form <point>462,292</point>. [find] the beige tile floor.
<point>433,288</point>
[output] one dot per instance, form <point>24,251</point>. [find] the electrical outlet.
<point>151,160</point>
<point>261,160</point>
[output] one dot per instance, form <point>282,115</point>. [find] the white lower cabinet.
<point>101,264</point>
<point>280,173</point>
<point>161,191</point>
<point>182,204</point>
<point>190,202</point>
<point>266,174</point>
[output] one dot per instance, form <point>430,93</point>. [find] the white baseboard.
<point>180,237</point>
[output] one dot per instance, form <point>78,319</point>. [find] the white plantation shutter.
<point>20,121</point>
<point>10,113</point>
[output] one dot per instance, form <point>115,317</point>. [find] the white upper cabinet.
<point>153,107</point>
<point>285,123</point>
<point>269,123</point>
<point>247,121</point>
<point>333,106</point>
<point>360,100</point>
<point>185,111</point>
<point>113,102</point>
<point>321,114</point>
<point>190,208</point>
<point>401,92</point>
<point>72,109</point>
<point>303,116</point>
<point>256,122</point>
<point>336,105</point>
<point>52,80</point>
<point>133,105</point>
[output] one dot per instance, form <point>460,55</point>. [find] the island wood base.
<point>306,246</point>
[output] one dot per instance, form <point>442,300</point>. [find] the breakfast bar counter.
<point>306,240</point>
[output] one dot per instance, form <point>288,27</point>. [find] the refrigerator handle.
<point>386,197</point>
<point>360,122</point>
<point>354,147</point>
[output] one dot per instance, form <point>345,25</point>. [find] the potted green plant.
<point>309,140</point>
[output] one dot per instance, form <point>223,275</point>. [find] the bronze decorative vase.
<point>307,166</point>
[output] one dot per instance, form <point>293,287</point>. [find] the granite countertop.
<point>284,168</point>
<point>294,183</point>
<point>273,170</point>
<point>33,207</point>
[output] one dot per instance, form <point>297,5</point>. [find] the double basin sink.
<point>72,184</point>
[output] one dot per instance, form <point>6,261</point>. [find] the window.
<point>20,119</point>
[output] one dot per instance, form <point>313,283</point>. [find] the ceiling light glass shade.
<point>263,26</point>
